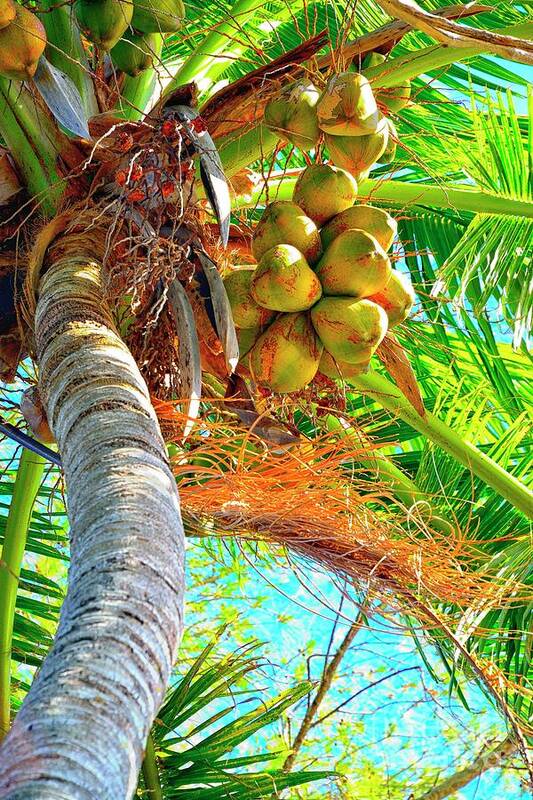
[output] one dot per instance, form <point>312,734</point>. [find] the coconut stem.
<point>388,395</point>
<point>400,193</point>
<point>21,128</point>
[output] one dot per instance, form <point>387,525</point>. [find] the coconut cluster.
<point>131,31</point>
<point>324,293</point>
<point>347,114</point>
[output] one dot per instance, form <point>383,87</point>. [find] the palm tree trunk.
<point>81,731</point>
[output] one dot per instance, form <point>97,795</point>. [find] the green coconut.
<point>284,281</point>
<point>293,115</point>
<point>397,298</point>
<point>246,338</point>
<point>336,370</point>
<point>358,154</point>
<point>158,16</point>
<point>349,329</point>
<point>135,52</point>
<point>395,97</point>
<point>22,43</point>
<point>284,222</point>
<point>244,310</point>
<point>347,106</point>
<point>354,264</point>
<point>103,22</point>
<point>323,191</point>
<point>8,12</point>
<point>374,221</point>
<point>389,154</point>
<point>286,356</point>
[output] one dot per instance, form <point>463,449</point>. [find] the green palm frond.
<point>492,261</point>
<point>198,757</point>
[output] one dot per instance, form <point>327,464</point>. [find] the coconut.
<point>358,154</point>
<point>347,107</point>
<point>8,12</point>
<point>397,298</point>
<point>103,22</point>
<point>158,16</point>
<point>349,329</point>
<point>395,97</point>
<point>354,264</point>
<point>336,370</point>
<point>284,222</point>
<point>135,52</point>
<point>293,115</point>
<point>389,154</point>
<point>286,356</point>
<point>22,43</point>
<point>323,191</point>
<point>284,281</point>
<point>246,338</point>
<point>374,221</point>
<point>244,310</point>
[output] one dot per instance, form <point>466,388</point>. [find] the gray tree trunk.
<point>81,731</point>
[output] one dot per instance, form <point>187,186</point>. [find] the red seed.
<point>124,141</point>
<point>169,128</point>
<point>168,188</point>
<point>121,177</point>
<point>198,124</point>
<point>136,171</point>
<point>136,195</point>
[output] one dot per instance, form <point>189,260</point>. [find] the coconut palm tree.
<point>115,209</point>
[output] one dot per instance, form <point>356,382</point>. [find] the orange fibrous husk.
<point>311,498</point>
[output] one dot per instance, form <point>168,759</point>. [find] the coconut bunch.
<point>131,31</point>
<point>324,293</point>
<point>347,114</point>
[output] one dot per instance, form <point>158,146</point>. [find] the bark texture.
<point>81,731</point>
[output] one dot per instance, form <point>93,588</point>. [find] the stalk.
<point>393,192</point>
<point>388,395</point>
<point>150,772</point>
<point>27,482</point>
<point>21,128</point>
<point>137,92</point>
<point>197,64</point>
<point>65,50</point>
<point>238,152</point>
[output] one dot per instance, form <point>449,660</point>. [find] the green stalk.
<point>197,64</point>
<point>239,151</point>
<point>420,62</point>
<point>388,395</point>
<point>137,92</point>
<point>21,128</point>
<point>393,192</point>
<point>150,772</point>
<point>27,482</point>
<point>65,50</point>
